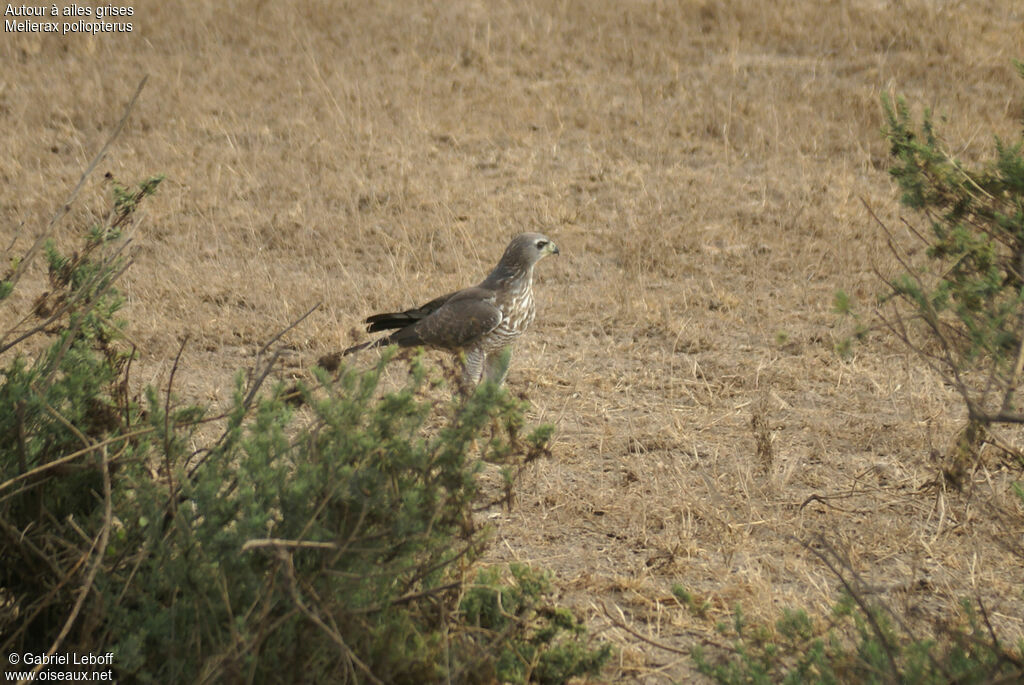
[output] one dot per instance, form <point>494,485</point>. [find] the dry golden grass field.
<point>700,164</point>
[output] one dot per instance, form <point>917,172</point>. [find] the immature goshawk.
<point>478,322</point>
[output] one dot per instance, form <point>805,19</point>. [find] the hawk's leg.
<point>494,370</point>
<point>472,370</point>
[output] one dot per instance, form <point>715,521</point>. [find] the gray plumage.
<point>478,322</point>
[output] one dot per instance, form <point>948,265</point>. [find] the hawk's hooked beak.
<point>552,248</point>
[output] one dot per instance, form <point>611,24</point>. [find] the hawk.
<point>477,322</point>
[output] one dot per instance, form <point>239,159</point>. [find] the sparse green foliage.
<point>697,608</point>
<point>960,303</point>
<point>842,305</point>
<point>67,425</point>
<point>859,644</point>
<point>535,641</point>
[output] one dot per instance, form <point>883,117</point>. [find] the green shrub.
<point>529,641</point>
<point>327,550</point>
<point>65,424</point>
<point>959,301</point>
<point>321,533</point>
<point>861,643</point>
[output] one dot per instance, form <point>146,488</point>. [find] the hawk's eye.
<point>541,244</point>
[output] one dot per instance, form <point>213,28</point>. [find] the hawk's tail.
<point>384,322</point>
<point>363,346</point>
<point>406,337</point>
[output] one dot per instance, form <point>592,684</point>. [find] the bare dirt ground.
<point>700,165</point>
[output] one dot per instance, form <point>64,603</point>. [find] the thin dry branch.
<point>74,455</point>
<point>66,207</point>
<point>280,543</point>
<point>853,590</point>
<point>336,637</point>
<point>168,471</point>
<point>621,623</point>
<point>257,380</point>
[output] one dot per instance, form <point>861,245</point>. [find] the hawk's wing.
<point>450,322</point>
<point>461,320</point>
<point>385,322</point>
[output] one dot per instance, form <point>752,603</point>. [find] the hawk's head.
<point>526,249</point>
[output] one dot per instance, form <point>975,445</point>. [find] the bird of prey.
<point>476,323</point>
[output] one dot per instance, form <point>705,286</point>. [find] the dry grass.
<point>699,164</point>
